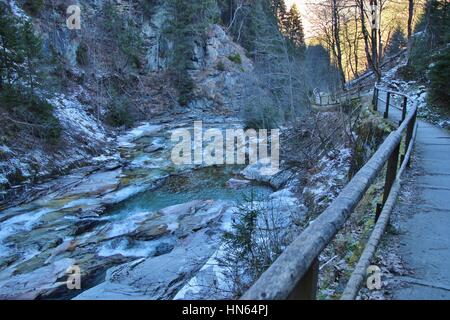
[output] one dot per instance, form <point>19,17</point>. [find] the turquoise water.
<point>202,184</point>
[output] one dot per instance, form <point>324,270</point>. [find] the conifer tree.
<point>397,42</point>
<point>439,84</point>
<point>294,27</point>
<point>281,13</point>
<point>31,47</point>
<point>187,26</point>
<point>9,47</point>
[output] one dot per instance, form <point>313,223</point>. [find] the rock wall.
<point>222,71</point>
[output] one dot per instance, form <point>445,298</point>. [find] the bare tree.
<point>410,17</point>
<point>337,49</point>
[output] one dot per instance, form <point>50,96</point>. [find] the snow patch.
<point>328,182</point>
<point>126,140</point>
<point>72,116</point>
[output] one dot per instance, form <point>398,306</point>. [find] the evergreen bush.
<point>34,7</point>
<point>439,93</point>
<point>118,114</point>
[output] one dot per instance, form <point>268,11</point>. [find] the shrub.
<point>397,43</point>
<point>185,86</point>
<point>407,73</point>
<point>34,7</point>
<point>131,42</point>
<point>118,114</point>
<point>257,238</point>
<point>434,27</point>
<point>221,66</point>
<point>236,58</point>
<point>262,117</point>
<point>30,112</point>
<point>82,55</point>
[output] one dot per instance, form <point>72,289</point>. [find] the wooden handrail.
<point>387,102</point>
<point>338,97</point>
<point>294,274</point>
<point>360,271</point>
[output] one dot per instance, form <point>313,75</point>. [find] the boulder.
<point>163,248</point>
<point>149,231</point>
<point>236,183</point>
<point>258,171</point>
<point>153,148</point>
<point>31,285</point>
<point>86,225</point>
<point>184,208</point>
<point>281,179</point>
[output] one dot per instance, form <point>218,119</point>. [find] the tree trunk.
<point>373,4</point>
<point>373,58</point>
<point>365,33</point>
<point>30,75</point>
<point>337,42</point>
<point>410,18</point>
<point>356,43</point>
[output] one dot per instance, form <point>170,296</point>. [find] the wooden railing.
<point>294,275</point>
<point>337,98</point>
<point>388,102</point>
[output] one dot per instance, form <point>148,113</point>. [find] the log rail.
<point>294,275</point>
<point>320,100</point>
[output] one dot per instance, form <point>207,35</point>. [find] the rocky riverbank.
<point>134,212</point>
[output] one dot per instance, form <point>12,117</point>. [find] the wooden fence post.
<point>405,103</point>
<point>306,289</point>
<point>375,99</point>
<point>391,174</point>
<point>388,101</point>
<point>410,131</point>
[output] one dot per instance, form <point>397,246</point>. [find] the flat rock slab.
<point>31,285</point>
<point>158,277</point>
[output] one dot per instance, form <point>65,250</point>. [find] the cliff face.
<point>91,71</point>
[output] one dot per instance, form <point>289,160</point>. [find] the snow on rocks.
<point>280,212</point>
<point>263,171</point>
<point>75,119</point>
<point>237,183</point>
<point>82,137</point>
<point>17,11</point>
<point>332,174</point>
<point>210,282</point>
<point>420,94</point>
<point>156,277</point>
<point>126,140</point>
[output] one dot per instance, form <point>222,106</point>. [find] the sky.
<point>301,4</point>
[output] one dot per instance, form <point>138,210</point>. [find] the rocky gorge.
<point>137,214</point>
